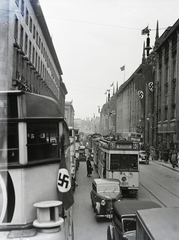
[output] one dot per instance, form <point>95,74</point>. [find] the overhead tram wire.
<point>84,22</point>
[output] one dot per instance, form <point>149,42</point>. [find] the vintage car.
<point>82,154</point>
<point>124,219</point>
<point>103,194</point>
<point>143,158</point>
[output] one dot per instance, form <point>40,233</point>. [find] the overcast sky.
<point>95,38</point>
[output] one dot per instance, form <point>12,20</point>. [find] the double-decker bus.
<point>31,127</point>
<point>119,159</point>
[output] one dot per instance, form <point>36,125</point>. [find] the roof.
<point>167,33</point>
<point>105,181</point>
<point>36,106</point>
<point>161,223</point>
<point>131,206</point>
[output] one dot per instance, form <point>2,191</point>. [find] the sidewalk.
<point>167,165</point>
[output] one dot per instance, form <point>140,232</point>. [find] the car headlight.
<point>124,179</point>
<point>103,202</point>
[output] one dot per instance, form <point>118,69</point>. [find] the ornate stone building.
<point>148,102</point>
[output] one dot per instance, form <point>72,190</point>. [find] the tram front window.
<point>126,162</point>
<point>42,142</point>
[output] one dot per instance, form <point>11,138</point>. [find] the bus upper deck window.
<point>9,148</point>
<point>13,143</point>
<point>8,107</point>
<point>42,142</point>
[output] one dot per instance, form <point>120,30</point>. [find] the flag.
<point>64,181</point>
<point>123,68</point>
<point>151,86</point>
<point>140,94</point>
<point>145,31</point>
<point>111,84</point>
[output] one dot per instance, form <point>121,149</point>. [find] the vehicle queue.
<point>128,217</point>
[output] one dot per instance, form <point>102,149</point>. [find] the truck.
<point>124,219</point>
<point>157,224</point>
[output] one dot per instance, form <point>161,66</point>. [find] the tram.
<point>119,159</point>
<point>31,206</point>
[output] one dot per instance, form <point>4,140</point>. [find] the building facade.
<point>167,87</point>
<point>28,59</point>
<point>69,113</point>
<point>148,102</point>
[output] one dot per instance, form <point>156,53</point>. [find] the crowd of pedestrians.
<point>170,155</point>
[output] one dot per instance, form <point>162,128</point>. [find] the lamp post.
<point>148,139</point>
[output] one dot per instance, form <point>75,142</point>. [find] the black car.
<point>103,194</point>
<point>123,225</point>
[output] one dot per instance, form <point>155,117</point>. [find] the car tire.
<point>97,218</point>
<point>109,237</point>
<point>92,204</point>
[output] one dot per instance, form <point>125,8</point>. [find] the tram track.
<point>152,195</point>
<point>158,185</point>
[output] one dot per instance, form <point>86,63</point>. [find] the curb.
<point>166,165</point>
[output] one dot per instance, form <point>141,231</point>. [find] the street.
<point>85,225</point>
<point>158,182</point>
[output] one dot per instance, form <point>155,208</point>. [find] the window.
<point>159,114</point>
<point>43,141</point>
<point>129,224</point>
<point>21,37</point>
<point>30,49</point>
<point>30,25</point>
<point>174,68</point>
<point>9,149</point>
<point>34,31</point>
<point>71,133</point>
<point>37,38</point>
<point>16,28</point>
<point>173,91</point>
<point>33,56</point>
<point>22,7</point>
<point>165,113</point>
<point>124,161</point>
<point>36,60</point>
<point>39,42</point>
<point>27,17</point>
<point>26,43</point>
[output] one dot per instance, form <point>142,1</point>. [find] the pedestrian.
<point>170,155</point>
<point>89,167</point>
<point>166,155</point>
<point>174,159</point>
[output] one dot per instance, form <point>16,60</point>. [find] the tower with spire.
<point>157,35</point>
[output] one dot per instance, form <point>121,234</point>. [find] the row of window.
<point>27,46</point>
<point>42,142</point>
<point>26,75</point>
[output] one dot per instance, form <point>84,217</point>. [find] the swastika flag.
<point>64,184</point>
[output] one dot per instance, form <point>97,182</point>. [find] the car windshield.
<point>129,224</point>
<point>110,188</point>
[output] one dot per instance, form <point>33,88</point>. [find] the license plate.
<point>124,183</point>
